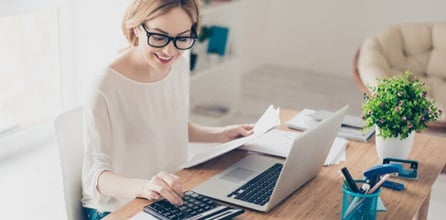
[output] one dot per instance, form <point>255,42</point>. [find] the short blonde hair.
<point>140,10</point>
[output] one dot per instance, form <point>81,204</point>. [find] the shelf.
<point>218,7</point>
<point>216,86</point>
<point>215,80</point>
<point>211,115</point>
<point>208,120</point>
<point>208,67</point>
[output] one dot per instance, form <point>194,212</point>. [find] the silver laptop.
<point>260,182</point>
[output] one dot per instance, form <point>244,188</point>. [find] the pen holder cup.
<point>357,205</point>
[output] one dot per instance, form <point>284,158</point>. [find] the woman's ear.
<point>136,31</point>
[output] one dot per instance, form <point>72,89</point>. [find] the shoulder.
<point>103,79</point>
<point>101,83</point>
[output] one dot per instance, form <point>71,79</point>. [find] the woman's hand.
<point>164,185</point>
<point>234,131</point>
<point>199,133</point>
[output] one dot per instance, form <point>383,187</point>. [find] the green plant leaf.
<point>399,105</point>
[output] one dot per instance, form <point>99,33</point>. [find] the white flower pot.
<point>393,147</point>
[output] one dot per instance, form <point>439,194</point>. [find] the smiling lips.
<point>164,59</point>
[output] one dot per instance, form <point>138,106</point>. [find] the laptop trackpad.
<point>237,175</point>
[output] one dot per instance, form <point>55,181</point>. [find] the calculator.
<point>195,207</point>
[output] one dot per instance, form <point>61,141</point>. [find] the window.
<point>30,81</point>
<point>50,51</point>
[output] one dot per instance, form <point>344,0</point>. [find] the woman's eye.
<point>159,38</point>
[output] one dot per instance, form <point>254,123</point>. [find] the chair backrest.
<point>357,76</point>
<point>68,126</point>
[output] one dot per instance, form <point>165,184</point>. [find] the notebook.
<point>274,178</point>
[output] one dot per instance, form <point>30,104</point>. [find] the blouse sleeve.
<point>98,145</point>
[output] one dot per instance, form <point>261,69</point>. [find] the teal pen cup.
<point>359,206</point>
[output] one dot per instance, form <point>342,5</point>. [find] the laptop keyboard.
<point>259,189</point>
<point>194,204</point>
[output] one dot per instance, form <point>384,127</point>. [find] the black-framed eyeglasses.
<point>158,40</point>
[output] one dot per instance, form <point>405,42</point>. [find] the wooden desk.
<point>321,197</point>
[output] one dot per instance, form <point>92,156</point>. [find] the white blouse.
<point>134,129</point>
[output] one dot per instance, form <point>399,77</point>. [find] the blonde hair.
<point>140,10</point>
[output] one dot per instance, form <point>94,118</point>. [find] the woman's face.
<point>175,23</point>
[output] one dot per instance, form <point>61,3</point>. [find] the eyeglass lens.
<point>159,40</point>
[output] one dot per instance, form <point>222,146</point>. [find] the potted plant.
<point>398,106</point>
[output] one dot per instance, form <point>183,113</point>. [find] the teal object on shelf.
<point>218,40</point>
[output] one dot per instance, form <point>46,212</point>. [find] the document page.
<point>202,152</point>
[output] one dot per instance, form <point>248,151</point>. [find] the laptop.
<point>260,182</point>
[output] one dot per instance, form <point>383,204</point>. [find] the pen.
<point>350,182</point>
<point>379,183</point>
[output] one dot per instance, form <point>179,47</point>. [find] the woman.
<point>136,123</point>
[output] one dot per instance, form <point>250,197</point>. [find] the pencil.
<point>379,183</point>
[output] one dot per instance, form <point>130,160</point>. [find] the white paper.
<point>304,120</point>
<point>275,142</point>
<point>143,216</point>
<point>199,153</point>
<point>279,142</point>
<point>269,120</point>
<point>337,152</point>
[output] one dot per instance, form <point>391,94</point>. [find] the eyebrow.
<point>157,29</point>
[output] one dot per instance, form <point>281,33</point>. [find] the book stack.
<point>352,127</point>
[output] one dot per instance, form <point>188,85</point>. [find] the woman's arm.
<point>162,185</point>
<point>199,133</point>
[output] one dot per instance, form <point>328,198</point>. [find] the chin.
<point>164,64</point>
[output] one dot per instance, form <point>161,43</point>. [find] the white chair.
<point>417,47</point>
<point>68,127</point>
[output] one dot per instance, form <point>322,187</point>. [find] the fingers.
<point>152,195</point>
<point>166,185</point>
<point>246,130</point>
<point>173,181</point>
<point>239,130</point>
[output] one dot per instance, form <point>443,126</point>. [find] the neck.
<point>140,69</point>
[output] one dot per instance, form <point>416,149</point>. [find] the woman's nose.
<point>169,49</point>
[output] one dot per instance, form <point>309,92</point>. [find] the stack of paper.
<point>352,127</point>
<point>279,142</point>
